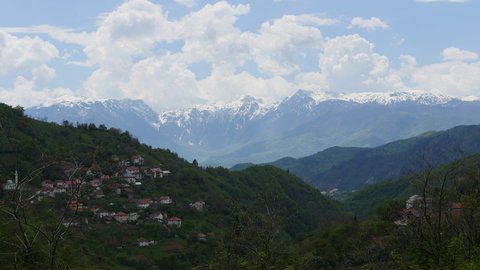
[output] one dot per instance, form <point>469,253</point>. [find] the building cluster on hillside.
<point>101,189</point>
<point>419,207</point>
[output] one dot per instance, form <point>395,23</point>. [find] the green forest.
<point>81,196</point>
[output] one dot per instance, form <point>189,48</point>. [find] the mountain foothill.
<point>359,181</point>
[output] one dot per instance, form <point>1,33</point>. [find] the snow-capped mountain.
<point>84,110</point>
<point>300,125</point>
<point>128,115</point>
<point>381,98</point>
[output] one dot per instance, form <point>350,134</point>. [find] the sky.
<point>178,53</point>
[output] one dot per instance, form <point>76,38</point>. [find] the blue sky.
<point>179,53</point>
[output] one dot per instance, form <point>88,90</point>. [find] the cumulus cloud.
<point>26,93</point>
<point>452,78</point>
<point>351,65</point>
<point>314,81</point>
<point>43,74</point>
<point>130,30</point>
<point>126,56</point>
<point>22,54</point>
<point>225,88</point>
<point>371,24</point>
<point>280,45</point>
<point>456,76</point>
<point>210,35</point>
<point>27,55</point>
<point>455,54</point>
<point>164,83</point>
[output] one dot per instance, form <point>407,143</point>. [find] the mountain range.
<point>353,168</point>
<point>248,130</point>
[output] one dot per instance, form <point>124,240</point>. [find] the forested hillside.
<point>350,169</point>
<point>126,204</point>
<point>88,197</point>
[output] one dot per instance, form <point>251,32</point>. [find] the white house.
<point>142,242</point>
<point>160,217</point>
<point>164,200</point>
<point>198,205</point>
<point>11,185</point>
<point>138,160</point>
<point>120,217</point>
<point>132,216</point>
<point>175,221</point>
<point>143,203</point>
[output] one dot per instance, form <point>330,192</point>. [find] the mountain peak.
<point>382,98</point>
<point>67,101</point>
<point>250,99</point>
<point>388,98</point>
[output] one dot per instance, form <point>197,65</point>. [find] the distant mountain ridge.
<point>129,115</point>
<point>348,169</point>
<point>247,130</point>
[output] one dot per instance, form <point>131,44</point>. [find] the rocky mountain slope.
<point>248,130</point>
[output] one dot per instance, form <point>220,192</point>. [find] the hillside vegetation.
<point>96,160</point>
<point>88,197</point>
<point>350,169</point>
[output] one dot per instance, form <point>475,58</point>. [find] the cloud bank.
<point>136,51</point>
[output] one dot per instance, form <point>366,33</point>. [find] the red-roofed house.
<point>164,200</point>
<point>455,209</point>
<point>138,160</point>
<point>120,217</point>
<point>47,184</point>
<point>73,205</point>
<point>175,221</point>
<point>143,203</point>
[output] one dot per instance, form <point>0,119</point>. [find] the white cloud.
<point>209,35</point>
<point>62,34</point>
<point>370,24</point>
<point>449,1</point>
<point>127,59</point>
<point>23,54</point>
<point>218,87</point>
<point>314,81</point>
<point>351,65</point>
<point>455,54</point>
<point>187,3</point>
<point>164,83</point>
<point>43,74</point>
<point>456,76</point>
<point>130,30</point>
<point>26,93</point>
<point>452,78</point>
<point>280,45</point>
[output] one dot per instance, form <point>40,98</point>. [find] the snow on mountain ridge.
<point>384,98</point>
<point>252,108</point>
<point>247,106</point>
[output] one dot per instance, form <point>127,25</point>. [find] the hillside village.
<point>90,199</point>
<point>114,203</point>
